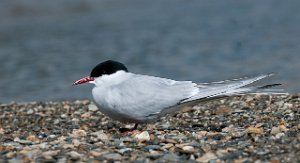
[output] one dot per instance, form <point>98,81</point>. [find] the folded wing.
<point>232,87</point>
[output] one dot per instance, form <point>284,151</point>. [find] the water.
<point>46,45</point>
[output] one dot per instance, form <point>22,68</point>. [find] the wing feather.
<point>144,96</point>
<point>225,88</point>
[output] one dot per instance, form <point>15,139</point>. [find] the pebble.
<point>92,108</point>
<point>124,150</point>
<point>68,146</point>
<point>279,135</point>
<point>50,154</point>
<point>74,155</point>
<point>63,116</point>
<point>207,157</point>
<point>30,111</point>
<point>223,110</point>
<point>170,157</point>
<point>100,135</point>
<point>275,130</point>
<point>86,115</point>
<point>1,131</point>
<point>56,121</point>
<point>167,146</point>
<point>32,138</point>
<point>188,149</point>
<point>283,128</point>
<point>170,141</point>
<point>79,133</point>
<point>255,130</point>
<point>10,155</point>
<point>143,136</point>
<point>112,156</point>
<point>52,136</point>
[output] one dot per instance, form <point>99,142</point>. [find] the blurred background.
<point>46,45</point>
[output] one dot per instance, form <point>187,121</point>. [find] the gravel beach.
<point>239,129</point>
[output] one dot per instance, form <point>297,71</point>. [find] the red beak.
<point>83,80</point>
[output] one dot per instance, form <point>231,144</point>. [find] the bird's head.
<point>104,68</point>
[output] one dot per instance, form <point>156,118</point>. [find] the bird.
<point>135,98</point>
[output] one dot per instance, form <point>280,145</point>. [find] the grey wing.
<point>232,87</point>
<point>146,96</point>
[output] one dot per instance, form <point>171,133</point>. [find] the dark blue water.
<point>46,45</point>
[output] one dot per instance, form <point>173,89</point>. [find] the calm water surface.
<point>46,45</point>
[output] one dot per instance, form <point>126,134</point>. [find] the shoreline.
<point>236,129</point>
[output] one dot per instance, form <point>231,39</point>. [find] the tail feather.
<point>233,87</point>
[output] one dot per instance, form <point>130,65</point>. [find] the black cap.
<point>107,67</point>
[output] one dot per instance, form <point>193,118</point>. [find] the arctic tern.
<point>135,98</point>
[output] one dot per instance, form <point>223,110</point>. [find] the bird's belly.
<point>116,114</point>
<point>116,111</point>
<point>111,104</point>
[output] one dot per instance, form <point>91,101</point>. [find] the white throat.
<point>112,79</point>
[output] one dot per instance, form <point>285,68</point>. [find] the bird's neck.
<point>112,79</point>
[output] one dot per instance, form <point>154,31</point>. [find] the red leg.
<point>123,130</point>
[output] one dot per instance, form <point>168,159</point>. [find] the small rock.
<point>283,128</point>
<point>43,145</point>
<point>63,116</point>
<point>188,149</point>
<point>100,135</point>
<point>30,111</point>
<point>1,131</point>
<point>123,150</point>
<point>56,121</point>
<point>61,160</point>
<point>78,133</point>
<point>74,155</point>
<point>259,125</point>
<point>32,138</point>
<point>170,157</point>
<point>249,99</point>
<point>167,146</point>
<point>223,110</point>
<point>10,155</point>
<point>144,136</point>
<point>52,136</point>
<point>68,146</point>
<point>50,153</point>
<point>152,147</point>
<point>24,151</point>
<point>238,134</point>
<point>112,156</point>
<point>25,141</point>
<point>16,139</point>
<point>275,130</point>
<point>201,134</point>
<point>255,130</point>
<point>96,153</point>
<point>170,141</point>
<point>180,145</point>
<point>178,136</point>
<point>206,157</point>
<point>76,142</point>
<point>86,115</point>
<point>42,135</point>
<point>92,107</point>
<point>154,154</point>
<point>279,135</point>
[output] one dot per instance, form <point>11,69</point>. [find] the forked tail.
<point>234,87</point>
